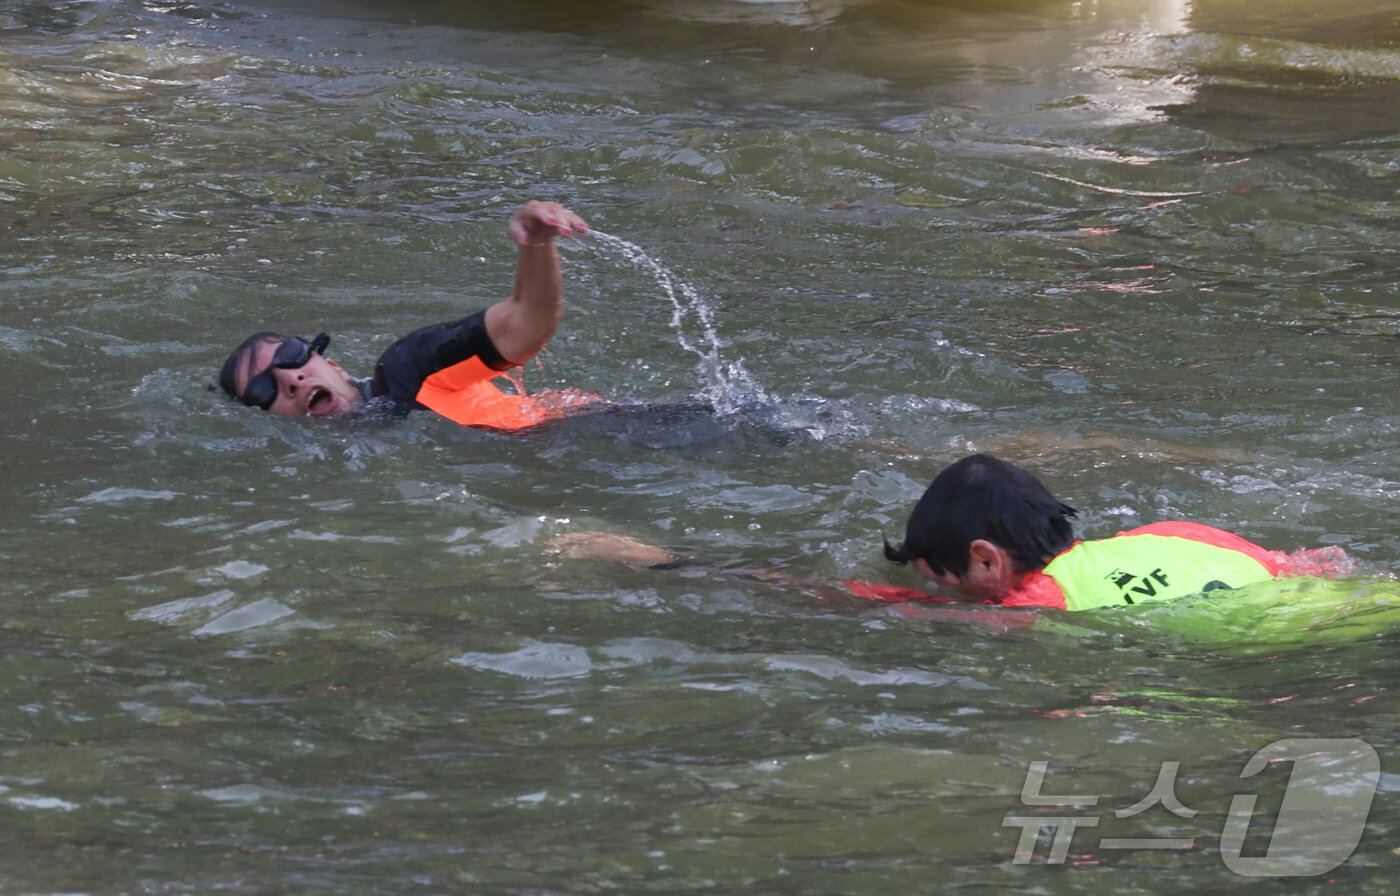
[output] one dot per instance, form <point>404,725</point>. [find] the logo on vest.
<point>1130,583</point>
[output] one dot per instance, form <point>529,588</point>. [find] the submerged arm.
<point>594,545</point>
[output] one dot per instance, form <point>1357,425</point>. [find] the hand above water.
<point>538,223</point>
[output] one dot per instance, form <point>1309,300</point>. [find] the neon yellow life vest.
<point>1133,569</point>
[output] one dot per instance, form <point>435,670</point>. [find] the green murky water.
<point>1147,248</point>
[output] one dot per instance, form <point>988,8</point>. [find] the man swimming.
<point>989,530</point>
<point>447,367</point>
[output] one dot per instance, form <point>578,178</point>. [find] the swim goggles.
<point>294,352</point>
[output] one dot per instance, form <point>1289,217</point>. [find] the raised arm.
<point>522,324</point>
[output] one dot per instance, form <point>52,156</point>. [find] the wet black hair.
<point>228,373</point>
<point>983,497</point>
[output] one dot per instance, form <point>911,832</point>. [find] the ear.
<point>991,570</point>
<point>987,557</point>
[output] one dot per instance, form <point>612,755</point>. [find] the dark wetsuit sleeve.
<point>402,368</point>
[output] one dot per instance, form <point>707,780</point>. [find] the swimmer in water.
<point>991,533</point>
<point>989,530</point>
<point>447,367</point>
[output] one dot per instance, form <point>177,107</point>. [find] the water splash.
<point>728,386</point>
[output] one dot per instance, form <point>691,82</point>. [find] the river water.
<point>1145,248</point>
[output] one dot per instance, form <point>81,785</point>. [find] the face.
<point>990,572</point>
<point>318,388</point>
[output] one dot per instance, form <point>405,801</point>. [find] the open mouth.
<point>320,401</point>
